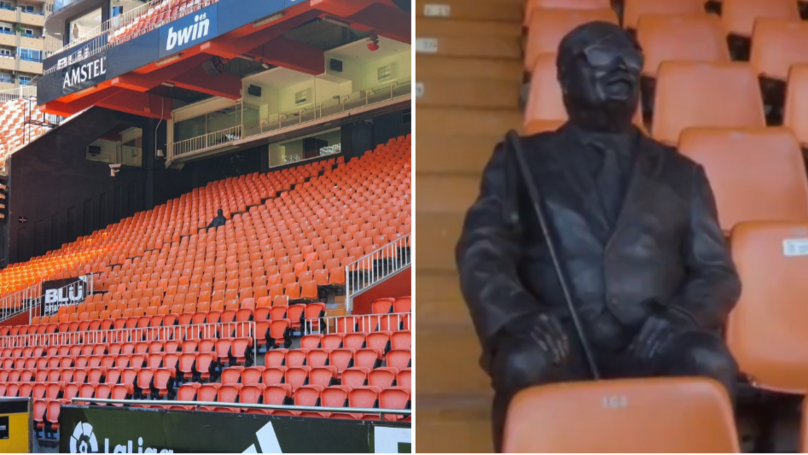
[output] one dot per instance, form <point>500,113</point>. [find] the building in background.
<point>22,42</point>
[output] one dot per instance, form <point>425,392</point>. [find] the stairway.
<point>468,76</point>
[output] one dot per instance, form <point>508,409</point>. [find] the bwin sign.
<point>188,34</point>
<point>84,73</point>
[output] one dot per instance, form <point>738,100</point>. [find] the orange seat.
<point>633,10</point>
<point>796,106</point>
<point>755,173</point>
<point>776,45</point>
<point>739,16</point>
<point>548,26</point>
<point>718,95</point>
<point>632,415</point>
<point>772,262</point>
<point>694,37</point>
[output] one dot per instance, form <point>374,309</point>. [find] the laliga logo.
<point>185,35</point>
<point>83,439</point>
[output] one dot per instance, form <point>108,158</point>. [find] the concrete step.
<point>508,11</point>
<point>466,29</point>
<point>450,363</point>
<point>453,424</point>
<point>468,39</point>
<point>437,236</point>
<point>465,93</point>
<point>466,154</point>
<point>447,193</point>
<point>440,301</point>
<point>437,67</point>
<point>459,122</point>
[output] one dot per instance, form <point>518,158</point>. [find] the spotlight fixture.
<point>373,41</point>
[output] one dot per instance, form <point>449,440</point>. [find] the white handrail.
<point>375,267</point>
<point>214,139</point>
<point>219,404</point>
<point>20,302</point>
<point>242,329</point>
<point>359,323</point>
<point>21,92</point>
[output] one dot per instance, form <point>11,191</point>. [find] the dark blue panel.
<point>189,31</point>
<point>133,54</point>
<point>234,14</point>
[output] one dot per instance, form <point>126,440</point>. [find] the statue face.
<point>599,68</point>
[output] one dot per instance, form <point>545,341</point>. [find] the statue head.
<point>599,68</point>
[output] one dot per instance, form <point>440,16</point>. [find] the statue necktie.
<point>609,183</point>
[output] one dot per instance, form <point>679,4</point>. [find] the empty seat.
<point>718,95</point>
<point>755,173</point>
<point>548,26</point>
<point>776,45</point>
<point>739,16</point>
<point>796,104</point>
<point>772,262</point>
<point>697,417</point>
<point>633,10</point>
<point>680,37</point>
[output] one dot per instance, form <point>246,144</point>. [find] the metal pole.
<point>515,146</point>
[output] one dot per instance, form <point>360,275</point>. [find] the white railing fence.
<point>20,302</point>
<point>368,323</point>
<point>21,92</point>
<point>209,140</point>
<point>375,267</point>
<point>245,329</point>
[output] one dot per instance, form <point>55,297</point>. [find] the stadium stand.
<point>183,312</point>
<point>723,81</point>
<point>14,130</point>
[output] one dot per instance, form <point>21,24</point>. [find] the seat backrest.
<point>755,173</point>
<point>739,16</point>
<point>772,260</point>
<point>675,415</point>
<point>690,37</point>
<point>776,45</point>
<point>548,26</point>
<point>690,94</point>
<point>633,10</point>
<point>795,112</point>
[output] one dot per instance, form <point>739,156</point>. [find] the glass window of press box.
<point>315,146</point>
<point>122,145</point>
<point>83,25</point>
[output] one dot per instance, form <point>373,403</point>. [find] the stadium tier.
<point>723,81</point>
<point>14,130</point>
<point>182,312</point>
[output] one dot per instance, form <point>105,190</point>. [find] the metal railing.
<point>214,139</point>
<point>22,92</point>
<point>20,302</point>
<point>130,24</point>
<point>375,267</point>
<point>359,323</point>
<point>245,329</point>
<point>219,404</point>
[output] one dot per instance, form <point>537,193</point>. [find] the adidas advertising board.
<point>120,430</point>
<point>56,293</point>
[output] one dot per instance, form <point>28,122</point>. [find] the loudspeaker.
<point>336,65</point>
<point>254,90</point>
<point>213,67</point>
